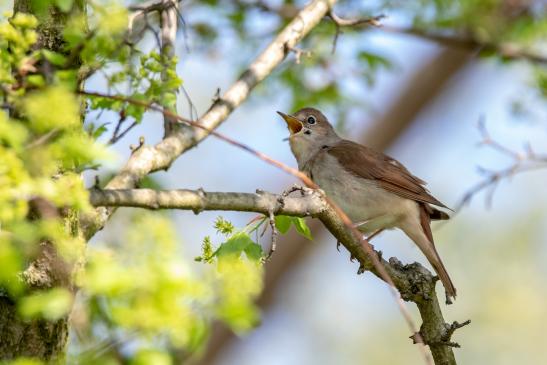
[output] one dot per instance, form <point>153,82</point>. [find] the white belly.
<point>362,199</point>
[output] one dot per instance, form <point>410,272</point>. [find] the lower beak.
<point>293,123</point>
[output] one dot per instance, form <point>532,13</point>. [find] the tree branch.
<point>152,158</point>
<point>414,282</point>
<point>168,24</point>
<point>505,50</point>
<point>525,161</point>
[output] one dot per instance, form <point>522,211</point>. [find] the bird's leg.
<point>369,238</point>
<point>355,225</point>
<point>361,223</point>
<point>374,234</point>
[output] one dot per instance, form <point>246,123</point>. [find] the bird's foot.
<point>294,188</point>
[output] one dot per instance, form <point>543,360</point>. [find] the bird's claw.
<point>292,189</point>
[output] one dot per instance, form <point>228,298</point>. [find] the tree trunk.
<point>39,338</point>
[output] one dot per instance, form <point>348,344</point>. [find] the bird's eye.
<point>311,119</point>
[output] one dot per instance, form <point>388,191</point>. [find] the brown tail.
<point>427,246</point>
<point>435,214</point>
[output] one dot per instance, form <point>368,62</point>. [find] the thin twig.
<point>43,139</point>
<point>274,234</point>
<point>339,23</point>
<point>298,53</point>
<point>525,161</point>
<point>123,133</point>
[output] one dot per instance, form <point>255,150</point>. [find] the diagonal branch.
<point>148,159</point>
<point>414,282</point>
<point>506,50</point>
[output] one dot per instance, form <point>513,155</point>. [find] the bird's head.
<point>309,130</point>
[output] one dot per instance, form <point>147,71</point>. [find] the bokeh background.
<point>421,106</point>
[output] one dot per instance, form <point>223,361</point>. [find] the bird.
<point>376,191</point>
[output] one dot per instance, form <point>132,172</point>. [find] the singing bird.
<point>376,191</point>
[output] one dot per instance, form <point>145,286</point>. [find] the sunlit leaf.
<point>51,304</point>
<point>302,227</point>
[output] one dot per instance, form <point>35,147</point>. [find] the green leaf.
<point>254,251</point>
<point>40,7</point>
<point>36,80</point>
<point>63,109</point>
<point>26,361</point>
<point>302,227</point>
<point>235,245</point>
<point>283,223</point>
<point>374,61</point>
<point>150,182</point>
<point>55,58</point>
<point>64,5</point>
<point>145,356</point>
<point>97,132</point>
<point>239,243</point>
<point>51,304</point>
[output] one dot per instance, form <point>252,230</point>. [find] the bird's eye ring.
<point>311,119</point>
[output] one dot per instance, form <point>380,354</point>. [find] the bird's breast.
<point>361,199</point>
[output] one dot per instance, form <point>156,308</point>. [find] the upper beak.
<point>293,123</point>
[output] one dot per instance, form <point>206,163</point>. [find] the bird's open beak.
<point>293,123</point>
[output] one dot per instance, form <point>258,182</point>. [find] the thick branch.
<point>198,200</point>
<point>414,282</point>
<point>148,159</point>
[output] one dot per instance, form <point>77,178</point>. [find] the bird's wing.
<point>390,174</point>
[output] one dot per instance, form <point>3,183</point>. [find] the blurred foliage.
<point>39,153</point>
<point>139,299</point>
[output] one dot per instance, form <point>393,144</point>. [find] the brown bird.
<point>376,191</point>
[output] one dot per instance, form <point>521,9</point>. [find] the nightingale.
<point>376,191</point>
